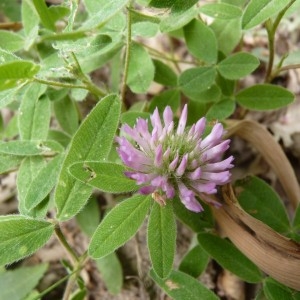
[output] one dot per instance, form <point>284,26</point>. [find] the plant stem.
<point>271,30</point>
<point>127,55</point>
<point>59,84</point>
<point>290,67</point>
<point>65,244</point>
<point>89,85</point>
<point>72,280</point>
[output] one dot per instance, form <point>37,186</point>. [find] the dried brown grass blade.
<point>273,253</point>
<point>264,142</point>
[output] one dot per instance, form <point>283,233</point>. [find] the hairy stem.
<point>127,54</point>
<point>271,30</point>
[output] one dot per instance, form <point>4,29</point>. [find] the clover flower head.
<point>169,161</point>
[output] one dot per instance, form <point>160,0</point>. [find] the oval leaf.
<point>237,65</point>
<point>43,183</point>
<point>264,97</point>
<point>119,225</point>
<point>229,257</point>
<point>21,236</point>
<point>195,261</point>
<point>92,141</point>
<point>221,11</point>
<point>105,176</point>
<point>180,286</point>
<point>30,148</point>
<point>12,73</point>
<point>261,201</point>
<point>162,238</point>
<point>139,79</point>
<point>195,33</point>
<point>259,11</point>
<point>195,80</point>
<point>25,277</point>
<point>164,74</point>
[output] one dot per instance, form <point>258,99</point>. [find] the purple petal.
<point>174,163</point>
<point>140,178</point>
<point>218,178</point>
<point>214,137</point>
<point>213,153</point>
<point>187,197</point>
<point>158,159</point>
<point>168,116</point>
<point>142,127</point>
<point>156,122</point>
<point>220,166</point>
<point>201,187</point>
<point>146,190</point>
<point>199,127</point>
<point>182,166</point>
<point>195,175</point>
<point>134,134</point>
<point>182,121</point>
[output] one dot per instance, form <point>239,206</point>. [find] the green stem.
<point>89,85</point>
<point>53,286</point>
<point>127,55</point>
<point>290,67</point>
<point>66,245</point>
<point>72,280</point>
<point>59,84</point>
<point>271,30</point>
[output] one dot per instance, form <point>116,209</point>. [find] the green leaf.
<point>14,73</point>
<point>139,79</point>
<point>161,238</point>
<point>21,236</point>
<point>45,15</point>
<point>180,286</point>
<point>264,97</point>
<point>221,110</point>
<point>259,11</point>
<point>276,291</point>
<point>228,34</point>
<point>237,65</point>
<point>27,172</point>
<point>211,94</point>
<point>194,262</point>
<point>11,95</point>
<point>195,33</point>
<point>34,114</point>
<point>30,148</point>
<point>89,217</point>
<point>30,17</point>
<point>101,11</point>
<point>221,11</point>
<point>119,225</point>
<point>8,162</point>
<point>145,29</point>
<point>66,114</point>
<point>296,220</point>
<point>196,221</point>
<point>229,257</point>
<point>11,41</point>
<point>166,98</point>
<point>195,80</point>
<point>262,202</point>
<point>175,5</point>
<point>177,20</point>
<point>43,183</point>
<point>164,74</point>
<point>92,141</point>
<point>18,283</point>
<point>111,272</point>
<point>106,176</point>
